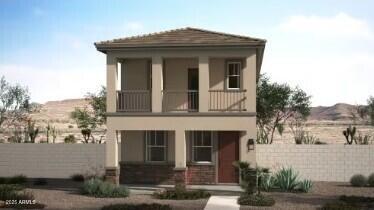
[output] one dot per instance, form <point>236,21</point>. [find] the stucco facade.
<point>151,89</point>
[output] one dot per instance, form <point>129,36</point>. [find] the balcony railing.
<point>133,101</point>
<point>180,100</point>
<point>227,100</point>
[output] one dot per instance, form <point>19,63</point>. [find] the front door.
<point>193,89</point>
<point>228,152</point>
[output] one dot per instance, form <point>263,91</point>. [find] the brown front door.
<point>228,152</point>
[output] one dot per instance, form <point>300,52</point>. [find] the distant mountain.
<point>60,111</point>
<point>337,112</point>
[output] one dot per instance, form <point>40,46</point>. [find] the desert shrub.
<point>181,194</point>
<point>77,177</point>
<point>99,188</point>
<point>248,177</point>
<point>339,206</point>
<point>305,185</point>
<point>255,200</point>
<point>70,126</point>
<point>363,139</point>
<point>70,139</point>
<point>287,179</point>
<point>8,191</point>
<point>18,179</point>
<point>358,180</point>
<point>143,206</point>
<point>267,183</point>
<point>14,193</point>
<point>40,181</point>
<point>371,180</point>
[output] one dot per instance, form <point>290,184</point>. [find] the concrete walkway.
<point>222,203</point>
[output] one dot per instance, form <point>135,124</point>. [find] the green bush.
<point>8,191</point>
<point>305,185</point>
<point>40,181</point>
<point>371,180</point>
<point>287,179</point>
<point>70,139</point>
<point>255,200</point>
<point>18,179</point>
<point>153,206</point>
<point>339,206</point>
<point>181,194</point>
<point>12,192</point>
<point>77,177</point>
<point>99,188</point>
<point>358,180</point>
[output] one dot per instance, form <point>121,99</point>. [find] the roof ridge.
<point>225,34</point>
<point>141,35</point>
<point>178,29</point>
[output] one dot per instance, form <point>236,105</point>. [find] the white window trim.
<point>147,147</point>
<point>193,147</point>
<point>238,75</point>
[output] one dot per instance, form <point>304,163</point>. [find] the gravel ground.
<point>65,195</point>
<point>321,193</point>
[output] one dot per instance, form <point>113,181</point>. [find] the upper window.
<point>233,75</point>
<point>156,146</point>
<point>202,146</point>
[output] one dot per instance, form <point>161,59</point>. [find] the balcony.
<point>227,100</point>
<point>134,101</point>
<point>180,101</point>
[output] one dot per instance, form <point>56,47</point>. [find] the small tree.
<point>14,102</point>
<point>276,104</point>
<point>89,119</point>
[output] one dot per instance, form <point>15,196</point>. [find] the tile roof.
<point>183,37</point>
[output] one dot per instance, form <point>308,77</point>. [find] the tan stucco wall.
<point>135,74</point>
<point>129,141</point>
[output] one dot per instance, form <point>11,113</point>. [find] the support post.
<point>203,83</point>
<point>180,158</point>
<point>157,84</point>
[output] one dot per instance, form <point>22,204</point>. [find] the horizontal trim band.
<point>174,114</point>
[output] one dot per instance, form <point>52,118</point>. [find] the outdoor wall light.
<point>250,144</point>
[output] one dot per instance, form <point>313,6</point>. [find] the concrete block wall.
<point>50,160</point>
<point>319,162</point>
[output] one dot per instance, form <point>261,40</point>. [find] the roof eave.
<point>114,47</point>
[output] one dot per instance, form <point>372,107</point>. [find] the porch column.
<point>180,158</point>
<point>111,157</point>
<point>157,84</point>
<point>111,83</point>
<point>249,82</point>
<point>203,83</point>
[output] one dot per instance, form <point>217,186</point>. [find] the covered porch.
<point>192,157</point>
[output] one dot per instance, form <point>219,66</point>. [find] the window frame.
<point>150,146</point>
<point>239,75</point>
<point>193,146</point>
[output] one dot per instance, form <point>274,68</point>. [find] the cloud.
<point>331,58</point>
<point>134,26</point>
<point>54,84</point>
<point>338,26</point>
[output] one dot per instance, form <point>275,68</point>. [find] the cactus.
<point>32,131</point>
<point>48,131</point>
<point>54,133</point>
<point>350,134</point>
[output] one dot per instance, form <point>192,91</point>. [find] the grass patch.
<point>153,206</point>
<point>99,188</point>
<point>255,200</point>
<point>18,199</point>
<point>181,194</point>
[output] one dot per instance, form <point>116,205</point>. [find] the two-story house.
<point>183,104</point>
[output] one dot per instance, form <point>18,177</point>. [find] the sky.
<point>325,47</point>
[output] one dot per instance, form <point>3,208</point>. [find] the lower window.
<point>156,146</point>
<point>202,146</point>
